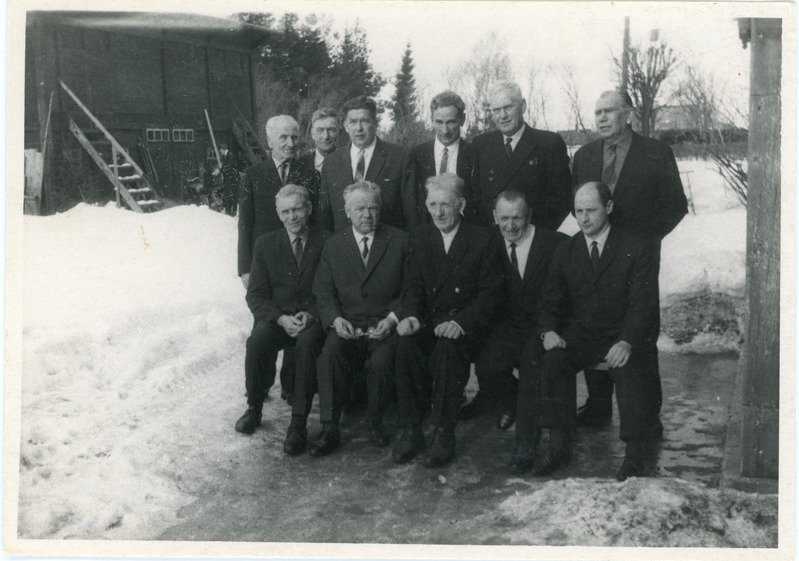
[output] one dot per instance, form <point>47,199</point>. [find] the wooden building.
<point>147,77</point>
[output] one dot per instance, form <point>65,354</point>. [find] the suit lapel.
<point>353,253</point>
<point>376,163</point>
<point>379,246</point>
<point>428,160</point>
<point>457,250</point>
<point>608,254</point>
<point>309,249</point>
<point>534,256</point>
<point>520,156</point>
<point>631,162</point>
<point>285,251</point>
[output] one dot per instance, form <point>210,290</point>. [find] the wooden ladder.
<point>122,171</point>
<point>246,136</point>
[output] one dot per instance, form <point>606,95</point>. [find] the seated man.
<point>601,295</point>
<point>358,288</point>
<point>527,251</point>
<point>454,284</point>
<point>280,298</point>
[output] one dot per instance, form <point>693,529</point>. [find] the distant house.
<point>148,77</point>
<point>574,139</point>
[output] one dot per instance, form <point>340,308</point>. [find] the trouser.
<point>431,373</point>
<point>340,361</point>
<point>265,341</point>
<point>495,364</point>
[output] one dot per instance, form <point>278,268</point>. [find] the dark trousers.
<point>548,388</point>
<point>495,364</point>
<point>339,363</point>
<point>431,373</point>
<point>265,341</point>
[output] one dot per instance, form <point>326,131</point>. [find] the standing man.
<point>527,251</point>
<point>367,158</point>
<point>520,158</point>
<point>324,132</point>
<point>446,153</point>
<point>598,305</point>
<point>649,202</point>
<point>454,284</point>
<point>230,178</point>
<point>358,287</point>
<point>280,298</point>
<point>262,181</point>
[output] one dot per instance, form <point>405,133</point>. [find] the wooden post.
<point>760,359</point>
<point>625,55</point>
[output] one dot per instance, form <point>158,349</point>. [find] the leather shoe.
<point>524,455</point>
<point>442,449</point>
<point>553,460</point>
<point>410,443</point>
<point>505,419</point>
<point>631,467</point>
<point>247,422</point>
<point>473,409</point>
<point>296,438</point>
<point>325,442</point>
<point>379,436</point>
<point>588,416</point>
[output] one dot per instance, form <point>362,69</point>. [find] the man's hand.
<point>553,340</point>
<point>344,328</point>
<point>306,319</point>
<point>245,280</point>
<point>290,324</point>
<point>619,354</point>
<point>408,326</point>
<point>383,329</point>
<point>448,329</point>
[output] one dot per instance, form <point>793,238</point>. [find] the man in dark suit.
<point>527,251</point>
<point>648,201</point>
<point>598,304</point>
<point>371,159</point>
<point>520,158</point>
<point>357,287</point>
<point>446,153</point>
<point>262,181</point>
<point>280,298</point>
<point>454,284</point>
<point>324,132</point>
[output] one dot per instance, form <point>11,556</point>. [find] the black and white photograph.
<point>409,279</point>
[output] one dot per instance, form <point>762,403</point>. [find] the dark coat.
<point>463,285</point>
<point>618,303</point>
<point>363,296</point>
<point>648,198</point>
<point>257,214</point>
<point>538,168</point>
<point>278,285</point>
<point>389,168</point>
<point>424,167</point>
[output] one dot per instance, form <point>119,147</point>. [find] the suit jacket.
<point>257,214</point>
<point>618,302</point>
<point>424,166</point>
<point>538,168</point>
<point>278,285</point>
<point>362,295</point>
<point>463,285</point>
<point>648,199</point>
<point>389,168</point>
<point>521,296</point>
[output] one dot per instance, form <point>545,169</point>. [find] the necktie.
<point>444,161</point>
<point>609,166</point>
<point>298,249</point>
<point>513,259</point>
<point>594,256</point>
<point>284,172</point>
<point>360,169</point>
<point>508,147</point>
<point>365,252</point>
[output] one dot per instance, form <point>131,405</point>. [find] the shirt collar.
<point>358,236</point>
<point>526,239</point>
<point>318,158</point>
<point>438,147</point>
<point>278,163</point>
<point>515,137</point>
<point>624,141</point>
<point>303,236</point>
<point>366,151</point>
<point>451,235</point>
<point>599,239</point>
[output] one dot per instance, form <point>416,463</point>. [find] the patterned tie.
<point>594,256</point>
<point>513,260</point>
<point>365,252</point>
<point>508,147</point>
<point>284,168</point>
<point>609,166</point>
<point>360,169</point>
<point>444,161</point>
<point>298,249</point>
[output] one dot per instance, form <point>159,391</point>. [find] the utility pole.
<point>625,55</point>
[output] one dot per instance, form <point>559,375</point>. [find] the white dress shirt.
<point>514,142</point>
<point>449,237</point>
<point>600,240</point>
<point>452,155</point>
<point>522,248</point>
<point>367,157</point>
<point>318,160</point>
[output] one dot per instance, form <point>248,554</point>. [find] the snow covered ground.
<point>133,338</point>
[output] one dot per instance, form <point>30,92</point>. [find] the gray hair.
<point>274,123</point>
<point>508,87</point>
<point>364,187</point>
<point>291,190</point>
<point>446,182</point>
<point>624,98</point>
<point>324,113</point>
<point>511,196</point>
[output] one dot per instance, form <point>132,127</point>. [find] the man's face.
<point>445,209</point>
<point>506,113</point>
<point>293,212</point>
<point>591,214</point>
<point>283,141</point>
<point>512,217</point>
<point>447,124</point>
<point>363,210</point>
<point>325,133</point>
<point>361,127</point>
<point>611,117</point>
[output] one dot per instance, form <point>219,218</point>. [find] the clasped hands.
<point>618,355</point>
<point>447,329</point>
<point>296,324</point>
<point>345,330</point>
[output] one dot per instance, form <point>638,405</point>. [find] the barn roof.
<point>163,25</point>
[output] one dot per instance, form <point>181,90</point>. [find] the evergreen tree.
<point>403,103</point>
<point>351,67</point>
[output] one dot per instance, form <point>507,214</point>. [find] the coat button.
<point>457,290</point>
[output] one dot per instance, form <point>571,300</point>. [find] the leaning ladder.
<point>246,136</point>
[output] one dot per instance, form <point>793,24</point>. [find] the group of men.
<point>407,267</point>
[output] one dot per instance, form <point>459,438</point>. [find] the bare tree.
<point>648,69</point>
<point>573,109</point>
<point>536,95</point>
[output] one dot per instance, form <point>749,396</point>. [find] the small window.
<point>157,135</point>
<point>182,135</point>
